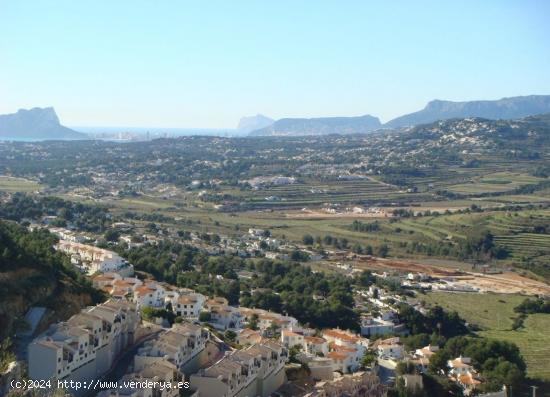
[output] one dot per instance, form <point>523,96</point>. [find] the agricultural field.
<point>494,183</point>
<point>315,193</point>
<point>494,315</point>
<point>522,233</point>
<point>11,185</point>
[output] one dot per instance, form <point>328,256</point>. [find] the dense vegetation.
<point>316,298</point>
<point>499,362</point>
<point>33,273</point>
<point>532,306</point>
<point>436,326</point>
<point>20,207</point>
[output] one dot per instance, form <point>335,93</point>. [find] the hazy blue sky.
<point>207,63</point>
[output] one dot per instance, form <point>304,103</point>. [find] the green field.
<point>12,185</point>
<point>494,314</point>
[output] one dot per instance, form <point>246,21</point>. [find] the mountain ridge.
<point>320,126</point>
<point>36,123</point>
<point>508,108</point>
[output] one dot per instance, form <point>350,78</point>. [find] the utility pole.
<point>534,390</point>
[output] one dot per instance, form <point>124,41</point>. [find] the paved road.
<point>33,317</point>
<point>123,363</point>
<point>22,339</point>
<point>386,371</point>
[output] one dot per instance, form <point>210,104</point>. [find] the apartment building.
<point>267,319</point>
<point>86,345</point>
<point>90,259</point>
<point>177,346</point>
<point>321,368</point>
<point>189,305</point>
<point>346,349</point>
<point>160,371</point>
<point>248,336</point>
<point>116,285</point>
<point>344,338</point>
<point>359,384</point>
<point>373,326</point>
<point>315,345</point>
<point>290,339</point>
<point>67,235</point>
<point>223,316</point>
<point>255,371</point>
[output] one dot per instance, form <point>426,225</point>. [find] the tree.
<point>6,354</point>
<point>383,250</point>
<point>293,351</point>
<point>438,362</point>
<point>230,335</point>
<point>368,359</point>
<point>308,239</point>
<point>405,367</point>
<point>111,235</point>
<point>253,322</point>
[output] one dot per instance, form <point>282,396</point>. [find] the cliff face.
<point>506,108</point>
<point>36,123</point>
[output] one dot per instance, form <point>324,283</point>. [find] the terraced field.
<point>495,183</point>
<point>315,193</point>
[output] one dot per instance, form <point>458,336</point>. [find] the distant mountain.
<point>320,126</point>
<point>505,108</point>
<point>248,124</point>
<point>36,123</point>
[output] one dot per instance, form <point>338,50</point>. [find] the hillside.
<point>505,108</point>
<point>526,137</point>
<point>33,273</point>
<point>35,124</point>
<point>320,126</point>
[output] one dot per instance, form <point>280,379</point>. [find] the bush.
<point>205,316</point>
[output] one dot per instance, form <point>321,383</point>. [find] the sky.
<point>207,63</point>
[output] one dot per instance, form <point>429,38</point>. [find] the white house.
<point>390,348</point>
<point>150,294</point>
<point>290,339</point>
<point>189,305</point>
